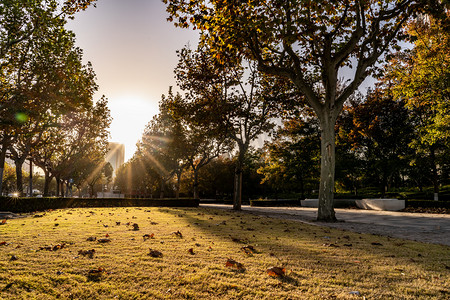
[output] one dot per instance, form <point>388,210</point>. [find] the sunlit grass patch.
<point>195,244</point>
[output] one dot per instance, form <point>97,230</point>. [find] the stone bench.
<point>381,204</point>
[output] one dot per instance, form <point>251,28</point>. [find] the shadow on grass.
<point>320,248</point>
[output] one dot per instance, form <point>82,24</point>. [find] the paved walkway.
<point>428,228</point>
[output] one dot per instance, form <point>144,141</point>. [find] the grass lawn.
<point>40,259</point>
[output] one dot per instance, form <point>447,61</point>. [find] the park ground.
<point>46,256</point>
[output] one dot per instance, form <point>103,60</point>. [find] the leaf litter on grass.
<point>314,271</point>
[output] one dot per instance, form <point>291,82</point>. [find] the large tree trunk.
<point>327,169</point>
<point>57,186</point>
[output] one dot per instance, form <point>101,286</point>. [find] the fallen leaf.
<point>178,234</point>
<point>231,263</point>
<point>117,223</point>
<point>91,239</point>
<point>377,244</point>
<point>191,251</point>
<point>104,240</point>
<point>148,236</point>
<point>3,221</point>
<point>135,227</point>
<point>4,244</point>
<point>249,249</point>
<point>88,253</point>
<point>276,271</point>
<point>155,253</point>
<point>59,246</point>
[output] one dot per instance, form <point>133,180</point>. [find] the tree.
<point>307,42</point>
<point>292,158</point>
<point>242,107</point>
<point>421,77</point>
<point>102,169</point>
<point>202,140</point>
<point>163,145</point>
<point>33,43</point>
<point>382,130</point>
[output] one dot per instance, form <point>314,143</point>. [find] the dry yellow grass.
<point>320,263</point>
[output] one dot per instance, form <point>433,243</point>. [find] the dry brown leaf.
<point>88,253</point>
<point>148,236</point>
<point>249,249</point>
<point>178,234</point>
<point>155,253</point>
<point>276,271</point>
<point>231,263</point>
<point>104,240</point>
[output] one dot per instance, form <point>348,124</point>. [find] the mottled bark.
<point>327,170</point>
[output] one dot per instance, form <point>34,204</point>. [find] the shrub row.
<point>275,202</point>
<point>427,204</point>
<point>23,205</point>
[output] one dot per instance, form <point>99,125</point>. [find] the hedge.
<point>22,205</point>
<point>427,204</point>
<point>275,202</point>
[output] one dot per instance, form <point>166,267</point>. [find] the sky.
<point>133,52</point>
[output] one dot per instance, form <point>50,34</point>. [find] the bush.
<point>23,205</point>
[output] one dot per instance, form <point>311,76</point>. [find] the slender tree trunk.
<point>177,192</point>
<point>237,201</point>
<point>327,170</point>
<point>62,188</point>
<point>19,178</point>
<point>196,184</point>
<point>435,176</point>
<point>47,180</point>
<point>30,185</point>
<point>161,192</point>
<point>2,162</point>
<point>57,186</point>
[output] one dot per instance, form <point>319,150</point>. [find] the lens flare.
<point>21,117</point>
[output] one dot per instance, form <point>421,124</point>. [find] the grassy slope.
<point>320,263</point>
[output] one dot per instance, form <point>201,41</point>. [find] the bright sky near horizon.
<point>132,49</point>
